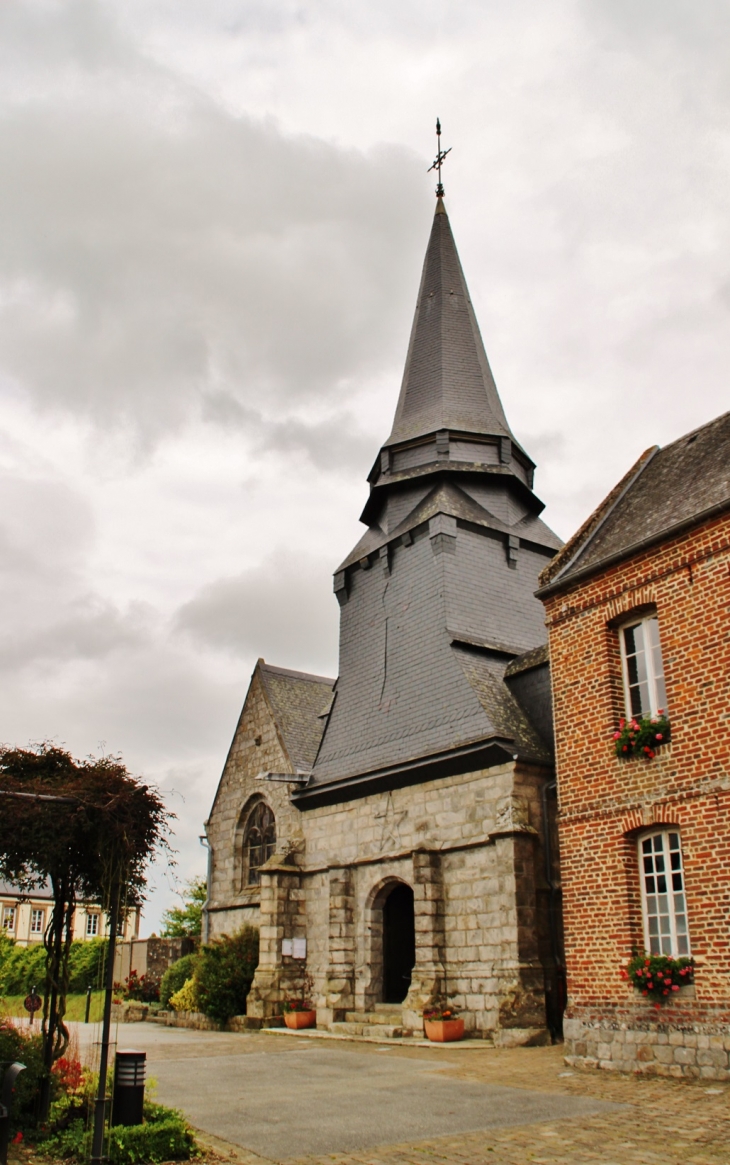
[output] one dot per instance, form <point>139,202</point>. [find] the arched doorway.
<point>399,943</point>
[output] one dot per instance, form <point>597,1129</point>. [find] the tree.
<point>186,921</point>
<point>90,828</point>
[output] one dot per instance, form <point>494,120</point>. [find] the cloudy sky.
<point>213,218</point>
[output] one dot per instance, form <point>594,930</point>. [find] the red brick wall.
<point>605,802</point>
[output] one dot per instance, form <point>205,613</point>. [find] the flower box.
<point>299,1019</point>
<point>444,1031</point>
<point>642,737</point>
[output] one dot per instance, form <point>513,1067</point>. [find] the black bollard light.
<point>6,1106</point>
<point>129,1076</point>
<point>88,1003</point>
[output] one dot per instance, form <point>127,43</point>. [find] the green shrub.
<point>86,964</point>
<point>165,1135</point>
<point>224,973</point>
<point>24,967</point>
<point>176,977</point>
<point>16,1044</point>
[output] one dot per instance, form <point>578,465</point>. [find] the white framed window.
<point>37,921</point>
<point>92,925</point>
<point>662,893</point>
<point>643,668</point>
<point>9,919</point>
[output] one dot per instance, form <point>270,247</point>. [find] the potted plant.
<point>442,1024</point>
<point>297,1009</point>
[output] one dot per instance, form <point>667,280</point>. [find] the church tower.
<point>437,598</point>
<point>391,831</point>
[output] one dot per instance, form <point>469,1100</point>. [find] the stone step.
<point>381,1030</point>
<point>390,1018</point>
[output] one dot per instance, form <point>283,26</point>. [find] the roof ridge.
<point>297,675</point>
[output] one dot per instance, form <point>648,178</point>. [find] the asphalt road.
<point>282,1097</point>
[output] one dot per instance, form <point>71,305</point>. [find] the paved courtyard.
<point>267,1098</point>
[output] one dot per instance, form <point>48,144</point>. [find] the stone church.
<point>392,832</point>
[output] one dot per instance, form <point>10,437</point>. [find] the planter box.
<point>443,1031</point>
<point>299,1019</point>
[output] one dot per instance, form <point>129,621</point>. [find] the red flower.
<point>659,736</point>
<point>625,748</point>
<point>644,992</point>
<point>622,722</point>
<point>17,1138</point>
<point>617,736</point>
<point>675,987</point>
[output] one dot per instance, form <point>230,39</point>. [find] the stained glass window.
<point>259,841</point>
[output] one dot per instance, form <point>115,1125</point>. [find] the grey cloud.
<point>337,443</point>
<point>156,248</point>
<point>283,610</point>
<point>91,628</point>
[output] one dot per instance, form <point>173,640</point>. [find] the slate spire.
<point>447,382</point>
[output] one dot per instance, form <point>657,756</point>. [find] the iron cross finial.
<point>438,161</point>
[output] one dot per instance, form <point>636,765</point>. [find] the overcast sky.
<point>213,218</point>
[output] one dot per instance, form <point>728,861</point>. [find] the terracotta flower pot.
<point>298,1019</point>
<point>443,1031</point>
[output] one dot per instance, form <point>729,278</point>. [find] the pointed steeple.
<point>447,383</point>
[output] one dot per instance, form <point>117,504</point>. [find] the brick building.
<point>638,611</point>
<point>390,831</point>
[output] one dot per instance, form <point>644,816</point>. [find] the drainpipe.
<point>205,935</point>
<point>552,906</point>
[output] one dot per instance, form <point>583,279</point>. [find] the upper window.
<point>92,925</point>
<point>37,921</point>
<point>662,892</point>
<point>259,841</point>
<point>9,918</point>
<point>643,668</point>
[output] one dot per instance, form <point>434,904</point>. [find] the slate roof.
<point>438,595</point>
<point>665,492</point>
<point>298,701</point>
<point>8,890</point>
<point>448,498</point>
<point>447,382</point>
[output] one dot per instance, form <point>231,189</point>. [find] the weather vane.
<point>438,161</point>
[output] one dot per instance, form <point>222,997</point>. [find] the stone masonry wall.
<point>256,748</point>
<point>470,847</point>
<point>606,803</point>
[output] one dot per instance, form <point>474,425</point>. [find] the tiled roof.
<point>298,701</point>
<point>664,492</point>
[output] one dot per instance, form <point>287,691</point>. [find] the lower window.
<point>662,892</point>
<point>92,925</point>
<point>37,921</point>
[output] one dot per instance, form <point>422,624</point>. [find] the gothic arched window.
<point>259,842</point>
